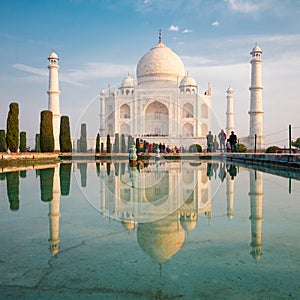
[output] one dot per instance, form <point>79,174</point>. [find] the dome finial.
<point>159,36</point>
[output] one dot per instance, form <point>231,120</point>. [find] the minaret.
<point>53,92</point>
<point>256,197</point>
<point>54,214</point>
<point>256,110</point>
<point>230,112</point>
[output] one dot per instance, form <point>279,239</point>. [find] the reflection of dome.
<point>187,81</point>
<point>160,63</point>
<point>129,225</point>
<point>188,221</point>
<point>161,239</point>
<point>128,81</point>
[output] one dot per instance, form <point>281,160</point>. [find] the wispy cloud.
<point>174,28</point>
<point>80,77</point>
<point>215,24</point>
<point>244,6</point>
<point>31,70</point>
<point>187,31</point>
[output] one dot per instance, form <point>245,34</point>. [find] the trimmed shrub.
<point>83,142</point>
<point>98,143</point>
<point>108,144</point>
<point>241,148</point>
<point>12,127</point>
<point>117,143</point>
<point>65,135</point>
<point>296,143</point>
<point>122,144</point>
<point>195,148</point>
<point>130,142</point>
<point>46,132</point>
<point>3,144</point>
<point>37,143</point>
<point>273,149</point>
<point>102,147</point>
<point>22,141</point>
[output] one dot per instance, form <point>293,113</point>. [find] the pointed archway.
<point>157,119</point>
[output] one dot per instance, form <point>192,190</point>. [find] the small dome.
<point>256,49</point>
<point>128,81</point>
<point>53,55</point>
<point>188,81</point>
<point>230,90</point>
<point>160,63</point>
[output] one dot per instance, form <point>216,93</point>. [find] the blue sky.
<point>100,41</point>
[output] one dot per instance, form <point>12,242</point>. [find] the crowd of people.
<point>225,144</point>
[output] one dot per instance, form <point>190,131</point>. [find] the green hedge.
<point>12,127</point>
<point>46,132</point>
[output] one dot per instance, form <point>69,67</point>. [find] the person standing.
<point>233,142</point>
<point>210,141</point>
<point>222,139</point>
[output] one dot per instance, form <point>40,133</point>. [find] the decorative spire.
<point>159,36</point>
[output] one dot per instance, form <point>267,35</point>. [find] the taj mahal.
<point>163,103</point>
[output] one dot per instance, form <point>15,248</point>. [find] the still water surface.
<point>166,230</point>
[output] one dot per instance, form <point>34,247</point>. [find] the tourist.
<point>210,141</point>
<point>233,142</point>
<point>222,139</point>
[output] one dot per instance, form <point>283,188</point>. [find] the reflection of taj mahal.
<point>162,202</point>
<point>163,102</point>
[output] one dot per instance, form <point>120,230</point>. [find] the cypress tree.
<point>83,142</point>
<point>78,145</point>
<point>65,135</point>
<point>37,143</point>
<point>22,141</point>
<point>130,141</point>
<point>3,144</point>
<point>122,144</point>
<point>117,143</point>
<point>46,132</point>
<point>108,144</point>
<point>98,143</point>
<point>12,127</point>
<point>102,147</point>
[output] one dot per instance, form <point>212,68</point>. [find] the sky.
<point>100,41</point>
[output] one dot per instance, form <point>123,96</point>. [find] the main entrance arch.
<point>157,119</point>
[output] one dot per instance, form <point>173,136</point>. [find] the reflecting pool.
<point>158,230</point>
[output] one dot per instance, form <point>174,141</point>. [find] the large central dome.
<point>160,63</point>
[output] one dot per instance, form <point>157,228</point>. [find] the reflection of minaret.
<point>54,214</point>
<point>229,112</point>
<point>256,197</point>
<point>229,196</point>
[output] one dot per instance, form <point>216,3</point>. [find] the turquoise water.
<point>163,230</point>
